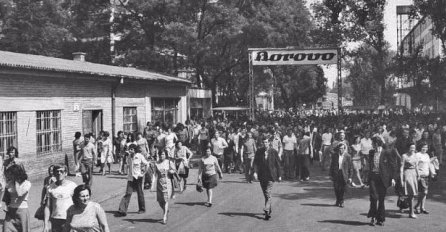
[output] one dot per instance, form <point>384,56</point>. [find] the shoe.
<point>267,216</point>
<point>307,179</point>
<point>336,204</point>
<point>208,204</point>
<point>416,211</point>
<point>372,222</point>
<point>413,216</point>
<point>423,211</point>
<point>120,214</point>
<point>341,204</point>
<point>141,211</point>
<point>380,223</point>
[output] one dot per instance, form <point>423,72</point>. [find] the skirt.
<point>209,182</point>
<point>410,183</point>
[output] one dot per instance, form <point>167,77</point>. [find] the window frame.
<point>48,132</point>
<point>8,124</point>
<point>133,117</point>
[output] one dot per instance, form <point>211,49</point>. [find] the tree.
<point>35,27</point>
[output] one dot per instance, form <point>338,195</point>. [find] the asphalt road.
<point>297,206</point>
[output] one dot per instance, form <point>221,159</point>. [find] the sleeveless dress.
<point>164,183</point>
<point>410,182</point>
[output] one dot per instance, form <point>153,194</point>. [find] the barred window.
<point>49,134</point>
<point>165,110</point>
<point>130,120</point>
<point>8,131</point>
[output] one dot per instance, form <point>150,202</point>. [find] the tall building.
<point>415,34</point>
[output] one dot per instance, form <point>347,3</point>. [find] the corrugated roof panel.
<point>27,61</point>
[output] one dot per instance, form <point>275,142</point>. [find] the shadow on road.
<point>147,220</point>
<point>343,222</point>
<point>189,203</point>
<point>318,205</point>
<point>236,214</point>
<point>390,214</point>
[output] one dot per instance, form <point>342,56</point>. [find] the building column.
<point>148,109</point>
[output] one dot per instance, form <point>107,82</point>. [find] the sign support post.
<point>339,82</point>
<point>251,86</point>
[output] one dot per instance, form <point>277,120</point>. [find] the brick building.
<point>45,100</point>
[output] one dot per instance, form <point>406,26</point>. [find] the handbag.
<point>403,202</point>
<point>40,213</point>
<point>199,186</point>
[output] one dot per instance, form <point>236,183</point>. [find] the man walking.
<point>383,172</point>
<point>136,163</point>
<point>87,159</point>
<point>341,172</point>
<point>267,171</point>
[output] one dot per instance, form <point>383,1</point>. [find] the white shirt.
<point>366,145</point>
<point>218,145</point>
<point>135,165</point>
<point>289,143</point>
<point>341,157</point>
<point>61,198</point>
<point>326,139</point>
<point>423,164</point>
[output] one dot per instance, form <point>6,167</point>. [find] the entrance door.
<point>92,122</point>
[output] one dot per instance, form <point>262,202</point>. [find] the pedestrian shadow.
<point>234,181</point>
<point>390,214</point>
<point>318,205</point>
<point>343,222</point>
<point>236,214</point>
<point>147,220</point>
<point>117,177</point>
<point>189,203</point>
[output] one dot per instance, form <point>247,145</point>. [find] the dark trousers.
<point>134,185</point>
<point>377,196</point>
<point>304,164</point>
<point>339,185</point>
<point>267,187</point>
<point>57,225</point>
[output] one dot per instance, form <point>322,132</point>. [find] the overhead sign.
<point>271,56</point>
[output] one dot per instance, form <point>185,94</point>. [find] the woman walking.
<point>106,152</point>
<point>17,187</point>
<point>207,174</point>
<point>182,156</point>
<point>409,176</point>
<point>423,181</point>
<point>356,160</point>
<point>85,215</point>
<point>163,169</point>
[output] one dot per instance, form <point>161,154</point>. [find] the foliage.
<point>36,27</point>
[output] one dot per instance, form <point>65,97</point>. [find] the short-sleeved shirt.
<point>209,165</point>
<point>289,142</point>
<point>61,198</point>
<point>87,150</point>
<point>217,145</point>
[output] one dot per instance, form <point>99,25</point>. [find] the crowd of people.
<point>368,151</point>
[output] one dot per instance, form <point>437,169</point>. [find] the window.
<point>164,110</point>
<point>8,131</point>
<point>130,119</point>
<point>49,134</point>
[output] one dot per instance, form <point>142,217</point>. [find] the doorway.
<point>92,122</point>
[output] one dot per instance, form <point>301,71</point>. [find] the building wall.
<point>26,93</point>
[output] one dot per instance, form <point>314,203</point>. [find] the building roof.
<point>45,63</point>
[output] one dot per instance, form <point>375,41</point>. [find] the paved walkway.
<point>238,207</point>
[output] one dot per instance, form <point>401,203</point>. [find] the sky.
<point>389,32</point>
